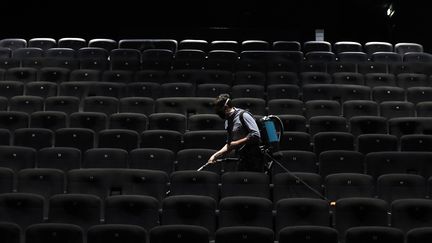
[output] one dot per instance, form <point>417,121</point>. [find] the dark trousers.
<point>251,159</point>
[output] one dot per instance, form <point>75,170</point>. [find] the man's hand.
<point>212,160</point>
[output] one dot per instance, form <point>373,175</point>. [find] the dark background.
<point>355,20</point>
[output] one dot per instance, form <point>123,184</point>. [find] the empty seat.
<point>93,58</point>
<point>316,46</point>
<point>53,74</point>
<point>12,120</point>
<point>296,141</point>
<point>17,158</point>
<point>78,209</point>
<point>351,108</point>
<point>292,185</point>
<point>315,78</point>
<point>382,234</point>
<point>23,209</point>
<point>376,46</point>
<point>319,92</point>
<point>423,109</point>
<point>285,106</point>
<point>411,213</point>
<point>205,122</point>
<point>7,180</point>
<point>54,232</point>
<point>125,59</point>
<point>10,232</point>
<point>28,104</point>
<point>166,139</point>
<point>36,138</point>
<point>116,233</point>
<point>388,93</point>
<point>407,80</point>
<point>308,233</point>
<point>367,124</point>
<point>192,159</point>
<point>301,211</point>
<point>76,89</point>
<point>118,138</point>
<point>416,142</point>
<point>282,91</point>
<point>107,44</point>
<point>242,183</point>
<point>355,57</point>
<point>367,143</point>
<point>156,76</point>
<point>105,158</point>
<point>9,89</point>
<point>204,139</point>
<point>322,108</point>
<point>386,57</point>
<point>245,211</point>
<point>190,210</point>
<point>45,182</point>
<point>380,79</point>
<point>418,94</point>
<point>320,56</point>
<point>417,235</point>
<point>119,76</point>
<point>13,43</point>
<point>353,212</point>
<point>74,43</point>
<point>324,141</point>
<point>52,120</point>
<point>327,124</point>
<point>80,138</point>
<point>167,121</point>
<point>61,158</point>
<point>295,161</point>
<point>392,109</point>
<point>243,234</point>
<point>92,120</point>
<point>344,185</point>
<point>179,233</point>
<point>152,159</point>
<point>137,210</point>
<point>177,90</point>
<point>41,89</point>
<point>158,59</point>
<point>85,75</point>
<point>204,183</point>
<point>340,161</point>
<point>391,187</point>
<point>130,121</point>
<point>43,43</point>
<point>104,182</point>
<point>142,105</point>
<point>108,89</point>
<point>344,46</point>
<point>189,59</point>
<point>404,47</point>
<point>286,45</point>
<point>193,44</point>
<point>348,78</point>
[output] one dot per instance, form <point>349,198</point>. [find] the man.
<point>243,136</point>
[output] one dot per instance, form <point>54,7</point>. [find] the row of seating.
<point>89,210</point>
<point>204,45</point>
<point>172,156</point>
<point>196,77</point>
<point>385,103</point>
<point>181,94</point>
<point>331,184</point>
<point>115,233</point>
<point>282,61</point>
<point>219,79</point>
